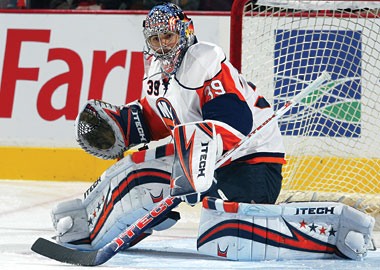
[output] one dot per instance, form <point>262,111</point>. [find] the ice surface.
<point>25,216</point>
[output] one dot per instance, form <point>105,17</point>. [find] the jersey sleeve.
<point>156,127</point>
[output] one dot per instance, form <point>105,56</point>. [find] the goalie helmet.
<point>169,19</point>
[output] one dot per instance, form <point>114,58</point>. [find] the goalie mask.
<point>168,33</point>
<point>106,131</point>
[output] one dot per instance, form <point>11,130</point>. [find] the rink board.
<point>72,164</point>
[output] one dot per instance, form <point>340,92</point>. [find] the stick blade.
<point>63,254</point>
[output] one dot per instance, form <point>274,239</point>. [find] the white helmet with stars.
<point>163,19</point>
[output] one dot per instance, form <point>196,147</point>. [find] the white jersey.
<point>207,87</point>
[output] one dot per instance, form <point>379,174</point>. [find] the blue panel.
<point>300,56</point>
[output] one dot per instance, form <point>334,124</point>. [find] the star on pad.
<point>322,230</point>
<point>332,232</point>
<point>303,224</point>
<point>313,227</point>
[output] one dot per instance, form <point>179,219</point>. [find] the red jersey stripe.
<point>264,160</point>
<point>156,127</point>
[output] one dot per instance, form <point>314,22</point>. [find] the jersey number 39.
<point>215,88</point>
<point>153,87</point>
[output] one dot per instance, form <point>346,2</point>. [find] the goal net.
<point>332,137</point>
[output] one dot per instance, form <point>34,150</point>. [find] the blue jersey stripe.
<point>229,109</point>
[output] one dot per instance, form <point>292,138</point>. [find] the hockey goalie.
<point>193,94</point>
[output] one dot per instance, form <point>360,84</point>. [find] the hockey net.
<point>331,138</point>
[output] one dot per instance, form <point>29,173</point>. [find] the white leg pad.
<point>124,193</point>
<point>314,230</point>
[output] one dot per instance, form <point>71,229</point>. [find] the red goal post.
<point>332,146</point>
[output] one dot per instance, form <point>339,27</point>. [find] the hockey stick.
<point>124,240</point>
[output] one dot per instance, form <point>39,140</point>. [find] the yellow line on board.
<point>300,173</point>
<point>57,164</point>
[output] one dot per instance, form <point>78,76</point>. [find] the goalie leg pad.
<point>130,195</point>
<point>124,193</point>
<point>240,231</point>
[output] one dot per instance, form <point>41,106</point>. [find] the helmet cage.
<point>163,19</point>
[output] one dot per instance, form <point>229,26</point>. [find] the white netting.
<point>331,138</point>
<point>318,4</point>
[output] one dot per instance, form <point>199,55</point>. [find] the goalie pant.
<point>307,230</point>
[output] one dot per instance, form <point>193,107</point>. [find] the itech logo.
<point>167,112</point>
<point>138,124</point>
<point>202,159</point>
<point>315,211</point>
<point>93,186</point>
